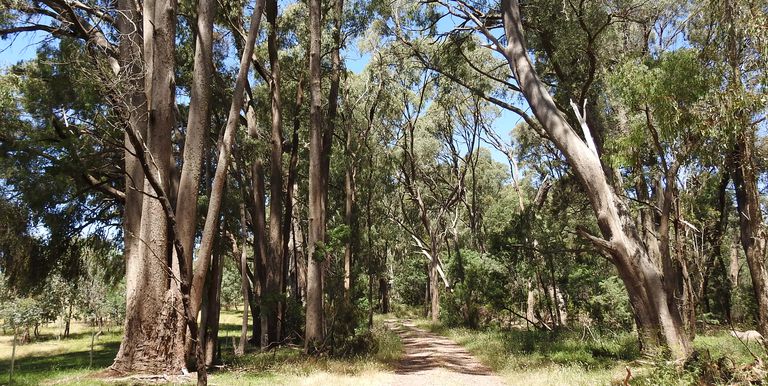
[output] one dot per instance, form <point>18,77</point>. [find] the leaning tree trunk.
<point>220,176</point>
<point>198,126</point>
<point>659,322</point>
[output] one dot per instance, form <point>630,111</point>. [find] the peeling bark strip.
<point>659,322</point>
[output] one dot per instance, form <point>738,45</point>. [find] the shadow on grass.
<point>32,369</point>
<point>49,337</point>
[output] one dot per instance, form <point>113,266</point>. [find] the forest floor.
<point>408,352</point>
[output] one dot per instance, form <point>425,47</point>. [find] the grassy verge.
<point>539,358</point>
<point>290,366</point>
<point>66,361</point>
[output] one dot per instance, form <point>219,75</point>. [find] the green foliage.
<point>231,289</point>
<point>469,301</point>
<point>410,280</point>
<point>668,100</point>
<point>610,307</point>
<point>21,313</point>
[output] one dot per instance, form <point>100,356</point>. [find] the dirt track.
<point>430,359</point>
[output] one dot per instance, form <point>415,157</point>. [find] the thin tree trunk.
<point>260,247</point>
<point>299,248</point>
<point>213,310</point>
<point>333,92</point>
<point>13,355</point>
<point>722,294</point>
<point>288,226</point>
<point>243,282</point>
<point>349,219</point>
<point>434,282</point>
<point>317,186</point>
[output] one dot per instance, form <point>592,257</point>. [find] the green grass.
<point>65,362</point>
<point>50,358</point>
<point>540,358</point>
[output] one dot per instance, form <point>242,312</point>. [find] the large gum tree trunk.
<point>154,329</point>
<point>659,322</point>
